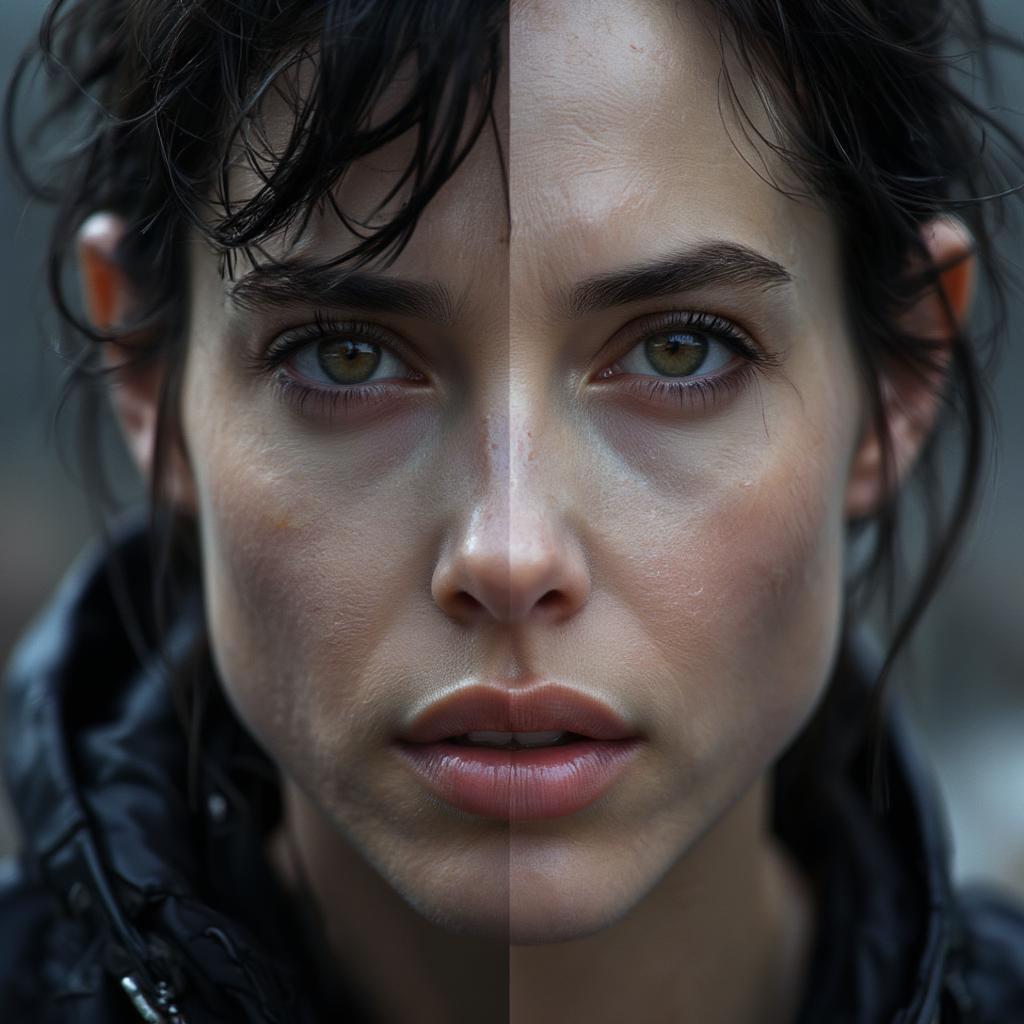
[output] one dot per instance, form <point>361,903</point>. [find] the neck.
<point>724,936</point>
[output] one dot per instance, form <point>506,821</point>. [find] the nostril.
<point>554,604</point>
<point>464,605</point>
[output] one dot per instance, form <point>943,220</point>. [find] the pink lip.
<point>525,784</point>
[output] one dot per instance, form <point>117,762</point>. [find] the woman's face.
<point>602,458</point>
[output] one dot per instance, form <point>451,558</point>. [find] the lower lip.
<point>520,785</point>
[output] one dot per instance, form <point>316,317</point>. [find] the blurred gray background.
<point>965,679</point>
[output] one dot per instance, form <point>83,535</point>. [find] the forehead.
<point>624,140</point>
<point>461,237</point>
<point>620,142</point>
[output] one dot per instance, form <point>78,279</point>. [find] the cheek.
<point>307,554</point>
<point>272,590</point>
<point>776,555</point>
<point>732,588</point>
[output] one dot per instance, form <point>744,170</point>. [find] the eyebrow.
<point>285,282</point>
<point>706,265</point>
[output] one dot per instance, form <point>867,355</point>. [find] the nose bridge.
<point>533,507</point>
<point>514,558</point>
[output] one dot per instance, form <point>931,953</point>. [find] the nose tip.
<point>536,578</point>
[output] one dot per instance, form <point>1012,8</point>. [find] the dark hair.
<point>151,101</point>
<point>864,95</point>
<point>875,113</point>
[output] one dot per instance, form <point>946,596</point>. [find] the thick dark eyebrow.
<point>709,264</point>
<point>284,283</point>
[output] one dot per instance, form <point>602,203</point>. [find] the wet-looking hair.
<point>154,100</point>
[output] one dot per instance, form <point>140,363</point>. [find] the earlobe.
<point>111,302</point>
<point>911,397</point>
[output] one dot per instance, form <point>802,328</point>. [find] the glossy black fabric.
<point>121,877</point>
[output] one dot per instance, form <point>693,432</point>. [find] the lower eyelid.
<point>313,402</point>
<point>697,391</point>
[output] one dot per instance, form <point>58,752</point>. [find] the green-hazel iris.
<point>348,360</point>
<point>676,354</point>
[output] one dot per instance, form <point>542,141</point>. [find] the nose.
<point>529,574</point>
<point>514,558</point>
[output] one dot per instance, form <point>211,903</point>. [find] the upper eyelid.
<point>324,327</point>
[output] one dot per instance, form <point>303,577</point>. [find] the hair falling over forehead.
<point>872,104</point>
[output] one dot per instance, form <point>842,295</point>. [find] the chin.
<point>536,922</point>
<point>486,917</point>
<point>562,892</point>
<point>528,917</point>
<point>519,896</point>
<point>463,889</point>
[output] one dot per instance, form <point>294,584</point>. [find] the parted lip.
<point>545,707</point>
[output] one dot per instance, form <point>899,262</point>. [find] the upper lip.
<point>547,707</point>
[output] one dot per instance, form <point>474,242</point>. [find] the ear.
<point>112,301</point>
<point>910,400</point>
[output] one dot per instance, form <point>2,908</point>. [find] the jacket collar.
<point>97,768</point>
<point>889,931</point>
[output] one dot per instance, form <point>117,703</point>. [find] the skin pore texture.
<point>521,495</point>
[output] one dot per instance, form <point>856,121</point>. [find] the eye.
<point>684,360</point>
<point>346,361</point>
<point>677,352</point>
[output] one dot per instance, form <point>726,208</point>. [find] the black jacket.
<point>141,892</point>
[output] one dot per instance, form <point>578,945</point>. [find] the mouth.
<point>516,740</point>
<point>518,755</point>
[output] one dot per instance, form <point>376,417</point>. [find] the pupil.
<point>347,360</point>
<point>676,355</point>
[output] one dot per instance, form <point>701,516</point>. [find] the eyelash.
<point>704,391</point>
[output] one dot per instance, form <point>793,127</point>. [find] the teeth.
<point>519,739</point>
